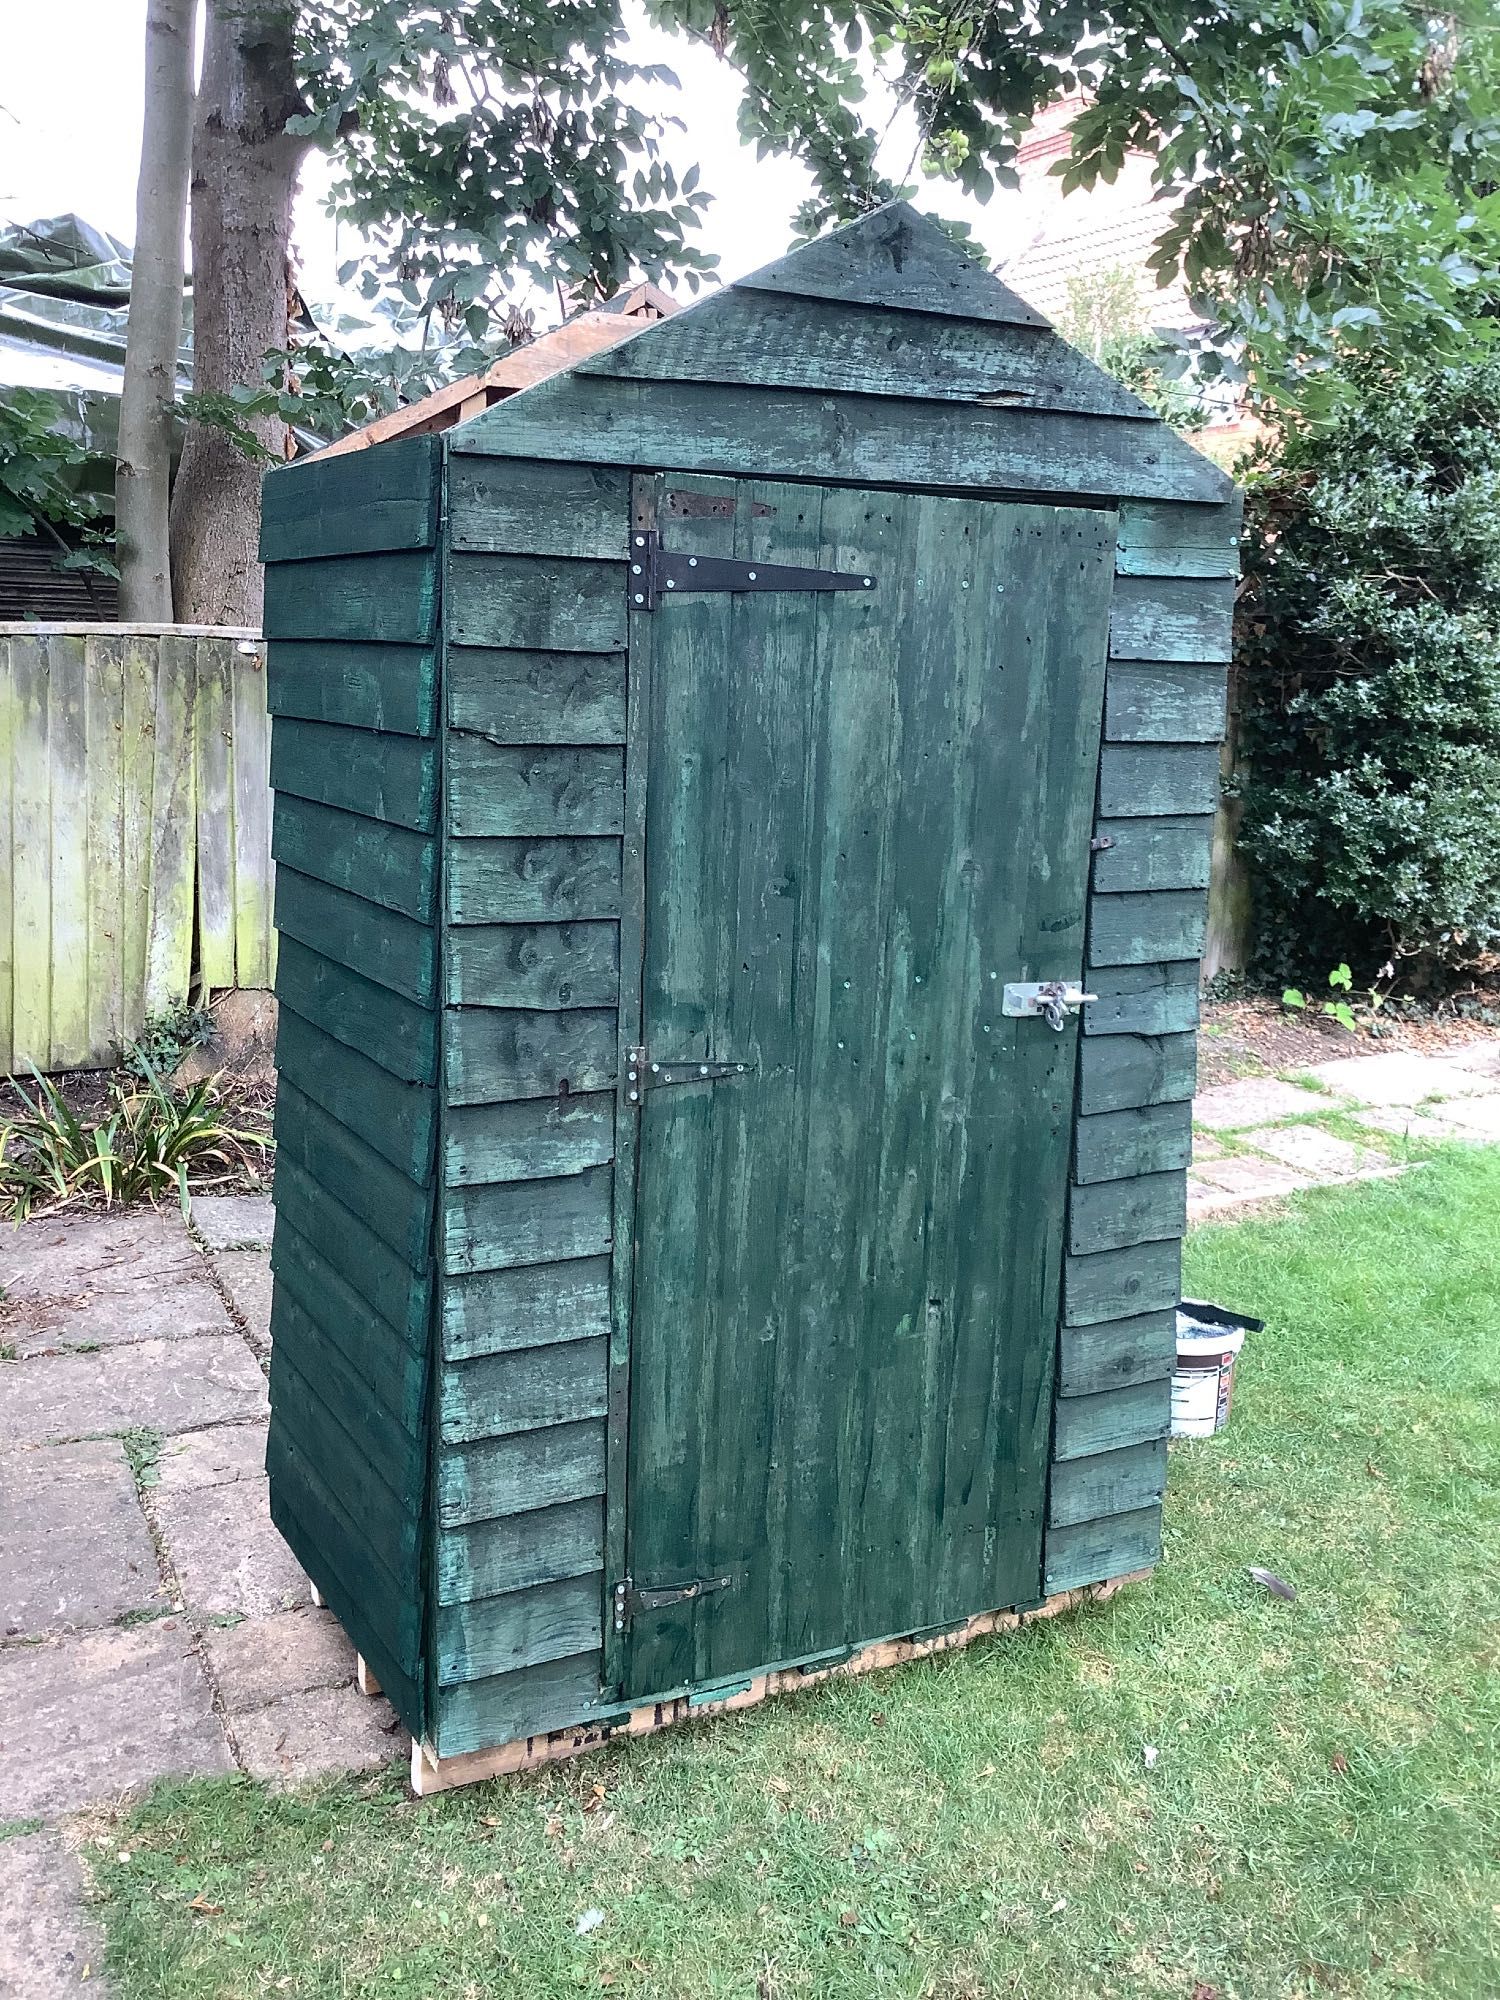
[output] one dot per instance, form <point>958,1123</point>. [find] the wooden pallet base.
<point>431,1773</point>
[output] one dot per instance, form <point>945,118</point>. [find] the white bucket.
<point>1204,1382</point>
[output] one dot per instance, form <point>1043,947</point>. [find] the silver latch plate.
<point>1053,999</point>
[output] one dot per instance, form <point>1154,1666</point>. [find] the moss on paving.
<point>1320,1815</point>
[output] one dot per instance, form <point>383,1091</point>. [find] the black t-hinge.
<point>657,573</point>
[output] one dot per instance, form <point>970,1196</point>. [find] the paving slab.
<point>1400,1078</point>
<point>1256,1100</point>
<point>1250,1178</point>
<point>81,1280</point>
<point>87,1718</point>
<point>233,1221</point>
<point>1207,1147</point>
<point>1406,1124</point>
<point>307,1735</point>
<point>1482,1057</point>
<point>1475,1117</point>
<point>227,1552</point>
<point>246,1276</point>
<point>50,1943</point>
<point>1311,1151</point>
<point>79,1250</point>
<point>262,1660</point>
<point>211,1458</point>
<point>162,1385</point>
<point>75,1549</point>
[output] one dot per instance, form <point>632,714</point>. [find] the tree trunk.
<point>143,457</point>
<point>245,166</point>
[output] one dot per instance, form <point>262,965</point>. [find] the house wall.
<point>351,621</point>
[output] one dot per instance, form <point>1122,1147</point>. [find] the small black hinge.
<point>656,573</point>
<point>642,1074</point>
<point>629,1597</point>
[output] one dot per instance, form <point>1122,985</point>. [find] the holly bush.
<point>1370,681</point>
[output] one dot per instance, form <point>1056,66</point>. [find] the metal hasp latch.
<point>629,1598</point>
<point>1053,999</point>
<point>642,1074</point>
<point>656,572</point>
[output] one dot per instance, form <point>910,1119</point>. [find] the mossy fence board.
<point>135,832</point>
<point>870,1331</point>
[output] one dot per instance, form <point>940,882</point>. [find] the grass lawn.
<point>1198,1790</point>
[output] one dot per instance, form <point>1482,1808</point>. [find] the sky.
<point>70,134</point>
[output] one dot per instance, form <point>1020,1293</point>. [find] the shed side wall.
<point>1148,907</point>
<point>534,666</point>
<point>352,621</point>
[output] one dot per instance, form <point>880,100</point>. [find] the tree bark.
<point>153,332</point>
<point>245,166</point>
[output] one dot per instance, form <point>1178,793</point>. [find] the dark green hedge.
<point>1370,680</point>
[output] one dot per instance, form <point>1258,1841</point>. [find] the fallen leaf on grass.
<point>205,1908</point>
<point>1268,1580</point>
<point>1339,1762</point>
<point>848,1919</point>
<point>1203,1991</point>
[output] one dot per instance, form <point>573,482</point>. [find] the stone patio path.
<point>153,1622</point>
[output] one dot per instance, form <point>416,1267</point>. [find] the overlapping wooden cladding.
<point>351,607</point>
<point>916,372</point>
<point>1164,711</point>
<point>535,711</point>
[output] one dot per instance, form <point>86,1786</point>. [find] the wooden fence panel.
<point>135,859</point>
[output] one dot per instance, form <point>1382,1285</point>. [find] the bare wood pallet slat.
<point>431,1773</point>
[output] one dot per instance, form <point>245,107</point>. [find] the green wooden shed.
<point>743,825</point>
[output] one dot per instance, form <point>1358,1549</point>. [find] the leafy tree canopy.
<point>1335,162</point>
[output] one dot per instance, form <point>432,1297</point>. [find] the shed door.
<point>861,814</point>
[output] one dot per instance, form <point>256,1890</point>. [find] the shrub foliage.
<point>1370,674</point>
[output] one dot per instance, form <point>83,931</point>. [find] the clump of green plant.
<point>1369,650</point>
<point>150,1142</point>
<point>166,1039</point>
<point>1341,979</point>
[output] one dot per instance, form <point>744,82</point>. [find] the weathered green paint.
<point>747,1327</point>
<point>357,503</point>
<point>136,846</point>
<point>794,1253</point>
<point>795,343</point>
